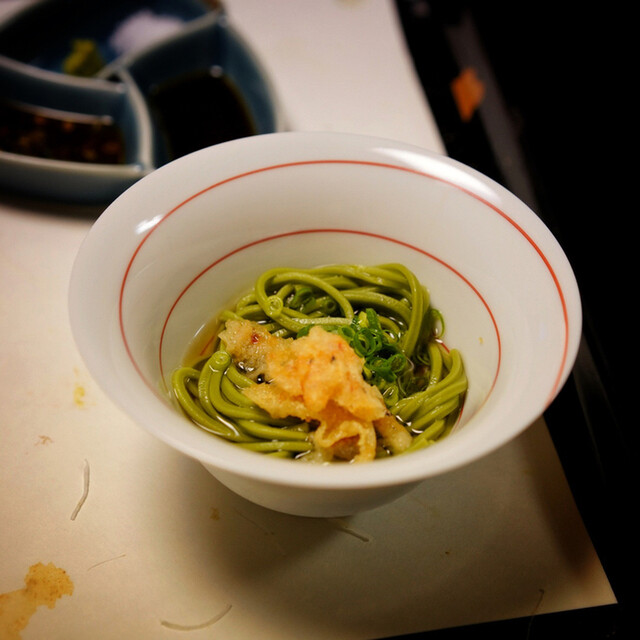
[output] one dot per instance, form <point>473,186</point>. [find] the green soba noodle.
<point>383,312</point>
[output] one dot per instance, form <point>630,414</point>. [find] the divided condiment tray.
<point>89,107</point>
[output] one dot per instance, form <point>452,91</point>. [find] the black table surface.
<point>553,128</point>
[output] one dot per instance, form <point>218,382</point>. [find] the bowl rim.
<point>395,470</point>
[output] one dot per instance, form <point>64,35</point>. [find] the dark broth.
<point>198,110</point>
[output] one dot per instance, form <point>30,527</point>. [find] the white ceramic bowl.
<point>179,245</point>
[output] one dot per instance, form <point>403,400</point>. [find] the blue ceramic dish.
<point>159,68</point>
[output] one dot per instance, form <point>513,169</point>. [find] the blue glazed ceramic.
<point>132,56</point>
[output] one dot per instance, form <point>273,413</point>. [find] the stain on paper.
<point>98,564</point>
<point>78,395</point>
<point>86,475</point>
<point>45,585</point>
<point>271,535</point>
<point>341,525</point>
<point>79,391</point>
<point>44,440</point>
<point>194,627</point>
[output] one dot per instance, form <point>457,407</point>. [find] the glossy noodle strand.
<point>408,391</point>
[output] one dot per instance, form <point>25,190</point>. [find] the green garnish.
<point>384,361</point>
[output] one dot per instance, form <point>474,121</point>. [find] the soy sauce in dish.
<point>197,110</point>
<point>59,135</point>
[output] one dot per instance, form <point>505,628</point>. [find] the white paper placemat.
<point>152,546</point>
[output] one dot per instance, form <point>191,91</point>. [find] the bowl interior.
<point>177,248</point>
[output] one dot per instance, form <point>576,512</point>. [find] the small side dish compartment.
<point>88,108</point>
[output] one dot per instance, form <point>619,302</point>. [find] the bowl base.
<point>309,502</point>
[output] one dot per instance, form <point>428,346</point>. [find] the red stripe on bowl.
<point>423,174</point>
